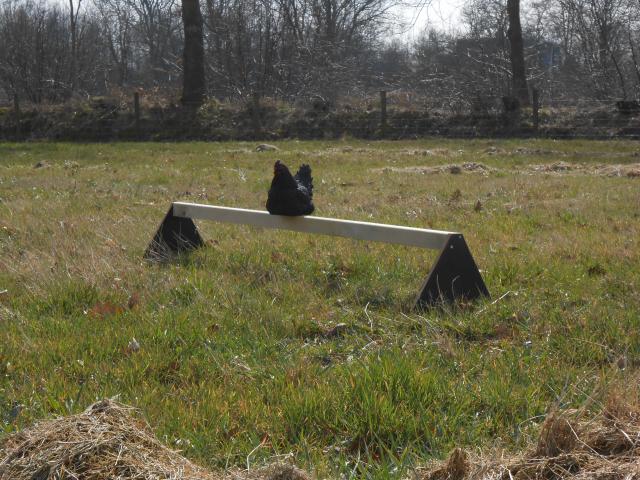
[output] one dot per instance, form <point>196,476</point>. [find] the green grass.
<point>235,364</point>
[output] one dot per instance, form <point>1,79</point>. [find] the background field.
<point>240,362</point>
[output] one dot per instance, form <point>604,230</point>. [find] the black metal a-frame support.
<point>453,277</point>
<point>175,235</point>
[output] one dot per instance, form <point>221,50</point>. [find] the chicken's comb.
<point>279,166</point>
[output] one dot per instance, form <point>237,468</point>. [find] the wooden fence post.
<point>136,108</point>
<point>383,109</point>
<point>16,108</point>
<point>536,109</point>
<point>255,114</point>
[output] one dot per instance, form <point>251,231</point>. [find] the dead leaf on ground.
<point>104,309</point>
<point>134,301</point>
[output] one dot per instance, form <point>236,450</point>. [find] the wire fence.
<point>387,114</point>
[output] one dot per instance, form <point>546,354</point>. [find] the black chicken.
<point>290,195</point>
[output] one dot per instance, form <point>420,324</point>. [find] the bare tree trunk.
<point>620,76</point>
<point>518,70</point>
<point>73,25</point>
<point>634,57</point>
<point>193,86</point>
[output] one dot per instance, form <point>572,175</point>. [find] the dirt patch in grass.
<point>452,168</point>
<point>571,445</point>
<point>631,170</point>
<point>534,151</point>
<point>432,152</point>
<point>108,440</point>
<point>526,151</point>
<point>331,151</point>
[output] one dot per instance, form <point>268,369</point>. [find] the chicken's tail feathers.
<point>304,177</point>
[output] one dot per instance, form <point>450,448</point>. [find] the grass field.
<point>240,362</point>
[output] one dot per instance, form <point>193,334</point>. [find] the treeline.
<point>319,50</point>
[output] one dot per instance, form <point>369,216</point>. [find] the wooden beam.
<point>378,232</point>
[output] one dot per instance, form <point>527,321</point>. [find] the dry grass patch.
<point>108,441</point>
<point>104,441</point>
<point>570,445</point>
